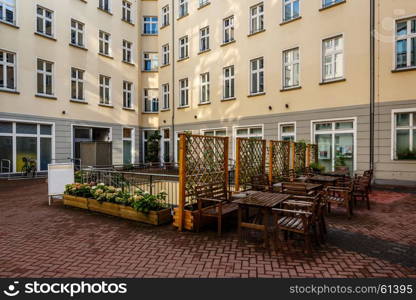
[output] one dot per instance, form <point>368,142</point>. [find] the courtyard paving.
<point>41,241</point>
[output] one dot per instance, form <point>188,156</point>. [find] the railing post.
<point>263,156</point>
<point>237,165</point>
<point>151,184</point>
<point>182,180</point>
<point>226,175</point>
<point>271,149</point>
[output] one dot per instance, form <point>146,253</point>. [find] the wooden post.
<point>182,180</point>
<point>293,155</point>
<point>271,162</point>
<point>308,156</point>
<point>226,141</point>
<point>237,164</point>
<point>263,156</point>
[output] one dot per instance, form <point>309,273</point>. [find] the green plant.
<point>145,202</point>
<point>340,161</point>
<point>78,176</point>
<point>79,189</point>
<point>317,167</point>
<point>406,154</point>
<point>153,141</point>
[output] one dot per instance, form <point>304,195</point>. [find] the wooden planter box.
<point>153,217</point>
<point>104,207</point>
<point>190,219</point>
<point>79,202</point>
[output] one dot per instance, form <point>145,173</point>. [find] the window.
<point>204,93</point>
<point>183,93</point>
<point>148,157</point>
<point>126,12</point>
<point>228,28</point>
<point>165,145</point>
<point>127,94</point>
<point>104,43</point>
<point>229,81</point>
<point>183,47</point>
<point>291,68</point>
<point>30,140</point>
<point>290,9</point>
<point>252,132</point>
<point>165,53</point>
<point>151,101</point>
<point>45,77</point>
<point>165,15</point>
<point>204,39</point>
<point>150,61</point>
<point>44,21</point>
<point>333,58</point>
<point>127,51</point>
<point>150,25</point>
<point>214,132</point>
<point>203,2</point>
<point>183,8</point>
<point>326,3</point>
<point>404,135</point>
<point>104,5</point>
<point>257,76</point>
<point>77,84</point>
<point>256,18</point>
<point>77,33</point>
<point>165,96</point>
<point>406,43</point>
<point>7,70</point>
<point>128,146</point>
<point>287,132</point>
<point>8,11</point>
<point>105,90</point>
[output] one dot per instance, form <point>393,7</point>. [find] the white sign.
<point>59,175</point>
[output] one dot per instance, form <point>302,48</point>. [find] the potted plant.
<point>76,195</point>
<point>340,164</point>
<point>104,199</point>
<point>317,167</point>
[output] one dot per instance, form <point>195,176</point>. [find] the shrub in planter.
<point>144,202</point>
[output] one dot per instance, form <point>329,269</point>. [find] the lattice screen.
<point>250,160</point>
<point>313,154</point>
<point>279,153</point>
<point>300,157</point>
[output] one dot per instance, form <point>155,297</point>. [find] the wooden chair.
<point>361,190</point>
<point>214,201</point>
<point>260,183</point>
<point>340,196</point>
<point>296,189</point>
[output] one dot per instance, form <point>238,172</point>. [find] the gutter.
<point>372,82</point>
<point>172,89</point>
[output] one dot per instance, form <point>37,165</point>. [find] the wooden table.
<point>339,173</point>
<point>308,186</point>
<point>325,180</point>
<point>264,202</point>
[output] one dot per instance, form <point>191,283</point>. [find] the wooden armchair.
<point>296,189</point>
<point>260,183</point>
<point>362,189</point>
<point>340,196</point>
<point>214,201</point>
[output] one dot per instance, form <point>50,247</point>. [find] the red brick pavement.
<point>41,241</point>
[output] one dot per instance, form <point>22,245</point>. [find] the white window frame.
<point>408,38</point>
<point>231,82</point>
<point>78,32</point>
<point>6,64</point>
<point>248,127</point>
<point>147,98</point>
<point>77,81</point>
<point>165,96</point>
<point>104,86</point>
<point>292,63</point>
<point>127,51</point>
<point>154,61</point>
<point>144,140</point>
<point>132,140</point>
<point>204,91</point>
<point>282,134</point>
<point>204,39</point>
<point>228,30</point>
<point>128,90</point>
<point>45,74</point>
<point>291,3</point>
<point>215,130</point>
<point>151,21</point>
<point>165,15</point>
<point>333,53</point>
<point>104,39</point>
<point>203,3</point>
<point>103,3</point>
<point>163,141</point>
<point>257,72</point>
<point>257,18</point>
<point>45,19</point>
<point>333,131</point>
<point>11,7</point>
<point>183,8</point>
<point>126,11</point>
<point>185,90</point>
<point>165,54</point>
<point>331,2</point>
<point>183,47</point>
<point>412,126</point>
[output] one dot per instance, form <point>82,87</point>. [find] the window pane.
<point>344,125</point>
<point>6,127</point>
<point>413,52</point>
<point>402,142</point>
<point>26,128</point>
<point>288,129</point>
<point>242,131</point>
<point>127,133</point>
<point>324,142</point>
<point>127,152</point>
<point>45,152</point>
<point>256,131</point>
<point>401,28</point>
<point>6,150</point>
<point>26,147</point>
<point>46,129</point>
<point>324,126</point>
<point>401,59</point>
<point>403,120</point>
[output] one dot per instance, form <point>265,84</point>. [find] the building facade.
<point>334,72</point>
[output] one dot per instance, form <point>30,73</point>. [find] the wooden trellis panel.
<point>202,160</point>
<point>300,157</point>
<point>250,160</point>
<point>279,159</point>
<point>313,153</point>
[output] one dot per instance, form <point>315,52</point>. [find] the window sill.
<point>150,112</point>
<point>165,110</point>
<point>105,55</point>
<point>128,22</point>
<point>227,43</point>
<point>292,88</point>
<point>150,71</point>
<point>129,109</point>
<point>228,99</point>
<point>78,101</point>
<point>256,95</point>
<point>183,107</point>
<point>105,105</point>
<point>164,26</point>
<point>10,91</point>
<point>203,5</point>
<point>164,66</point>
<point>9,24</point>
<point>403,70</point>
<point>290,21</point>
<point>332,81</point>
<point>256,33</point>
<point>181,17</point>
<point>128,63</point>
<point>46,36</point>
<point>205,103</point>
<point>204,51</point>
<point>105,11</point>
<point>332,5</point>
<point>149,34</point>
<point>182,59</point>
<point>51,97</point>
<point>77,46</point>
